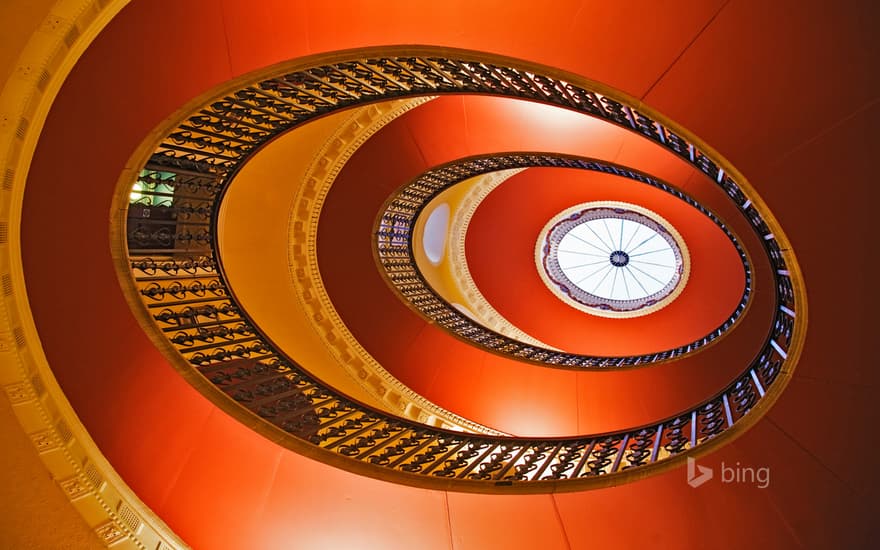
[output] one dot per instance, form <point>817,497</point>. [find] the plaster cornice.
<point>107,504</point>
<point>306,278</point>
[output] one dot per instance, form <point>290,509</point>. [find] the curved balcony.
<point>394,248</point>
<point>171,234</point>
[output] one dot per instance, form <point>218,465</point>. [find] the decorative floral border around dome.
<point>554,276</point>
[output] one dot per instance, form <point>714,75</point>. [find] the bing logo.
<point>698,475</point>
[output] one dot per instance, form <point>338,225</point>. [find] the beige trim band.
<point>306,277</point>
<point>110,508</point>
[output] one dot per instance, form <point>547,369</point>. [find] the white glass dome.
<point>618,259</point>
<point>612,259</point>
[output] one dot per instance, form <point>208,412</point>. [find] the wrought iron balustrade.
<point>394,249</point>
<point>184,291</point>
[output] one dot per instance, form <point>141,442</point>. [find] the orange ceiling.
<point>501,254</point>
<point>783,89</point>
<point>496,391</point>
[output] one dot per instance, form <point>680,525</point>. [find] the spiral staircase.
<point>276,275</point>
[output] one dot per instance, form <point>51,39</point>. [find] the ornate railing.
<point>394,241</point>
<point>179,277</point>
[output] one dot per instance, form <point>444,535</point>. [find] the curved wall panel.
<point>180,454</point>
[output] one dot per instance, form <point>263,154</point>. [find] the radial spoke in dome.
<point>602,280</point>
<point>613,283</point>
<point>583,253</point>
<point>649,275</point>
<point>623,277</point>
<point>650,252</point>
<point>620,243</point>
<point>638,226</point>
<point>652,263</point>
<point>593,273</point>
<point>641,243</point>
<point>587,225</point>
<point>584,265</point>
<point>610,236</point>
<point>637,281</point>
<point>588,242</point>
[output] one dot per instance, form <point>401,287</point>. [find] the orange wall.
<point>783,89</point>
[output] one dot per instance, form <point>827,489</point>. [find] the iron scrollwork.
<point>393,242</point>
<point>182,286</point>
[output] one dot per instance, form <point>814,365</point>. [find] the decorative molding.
<point>63,431</point>
<point>74,487</point>
<point>129,516</point>
<point>45,441</point>
<point>38,385</point>
<point>306,277</point>
<point>110,533</point>
<point>19,393</point>
<point>62,441</point>
<point>93,476</point>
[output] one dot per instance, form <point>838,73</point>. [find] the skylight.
<point>618,259</point>
<point>612,259</point>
